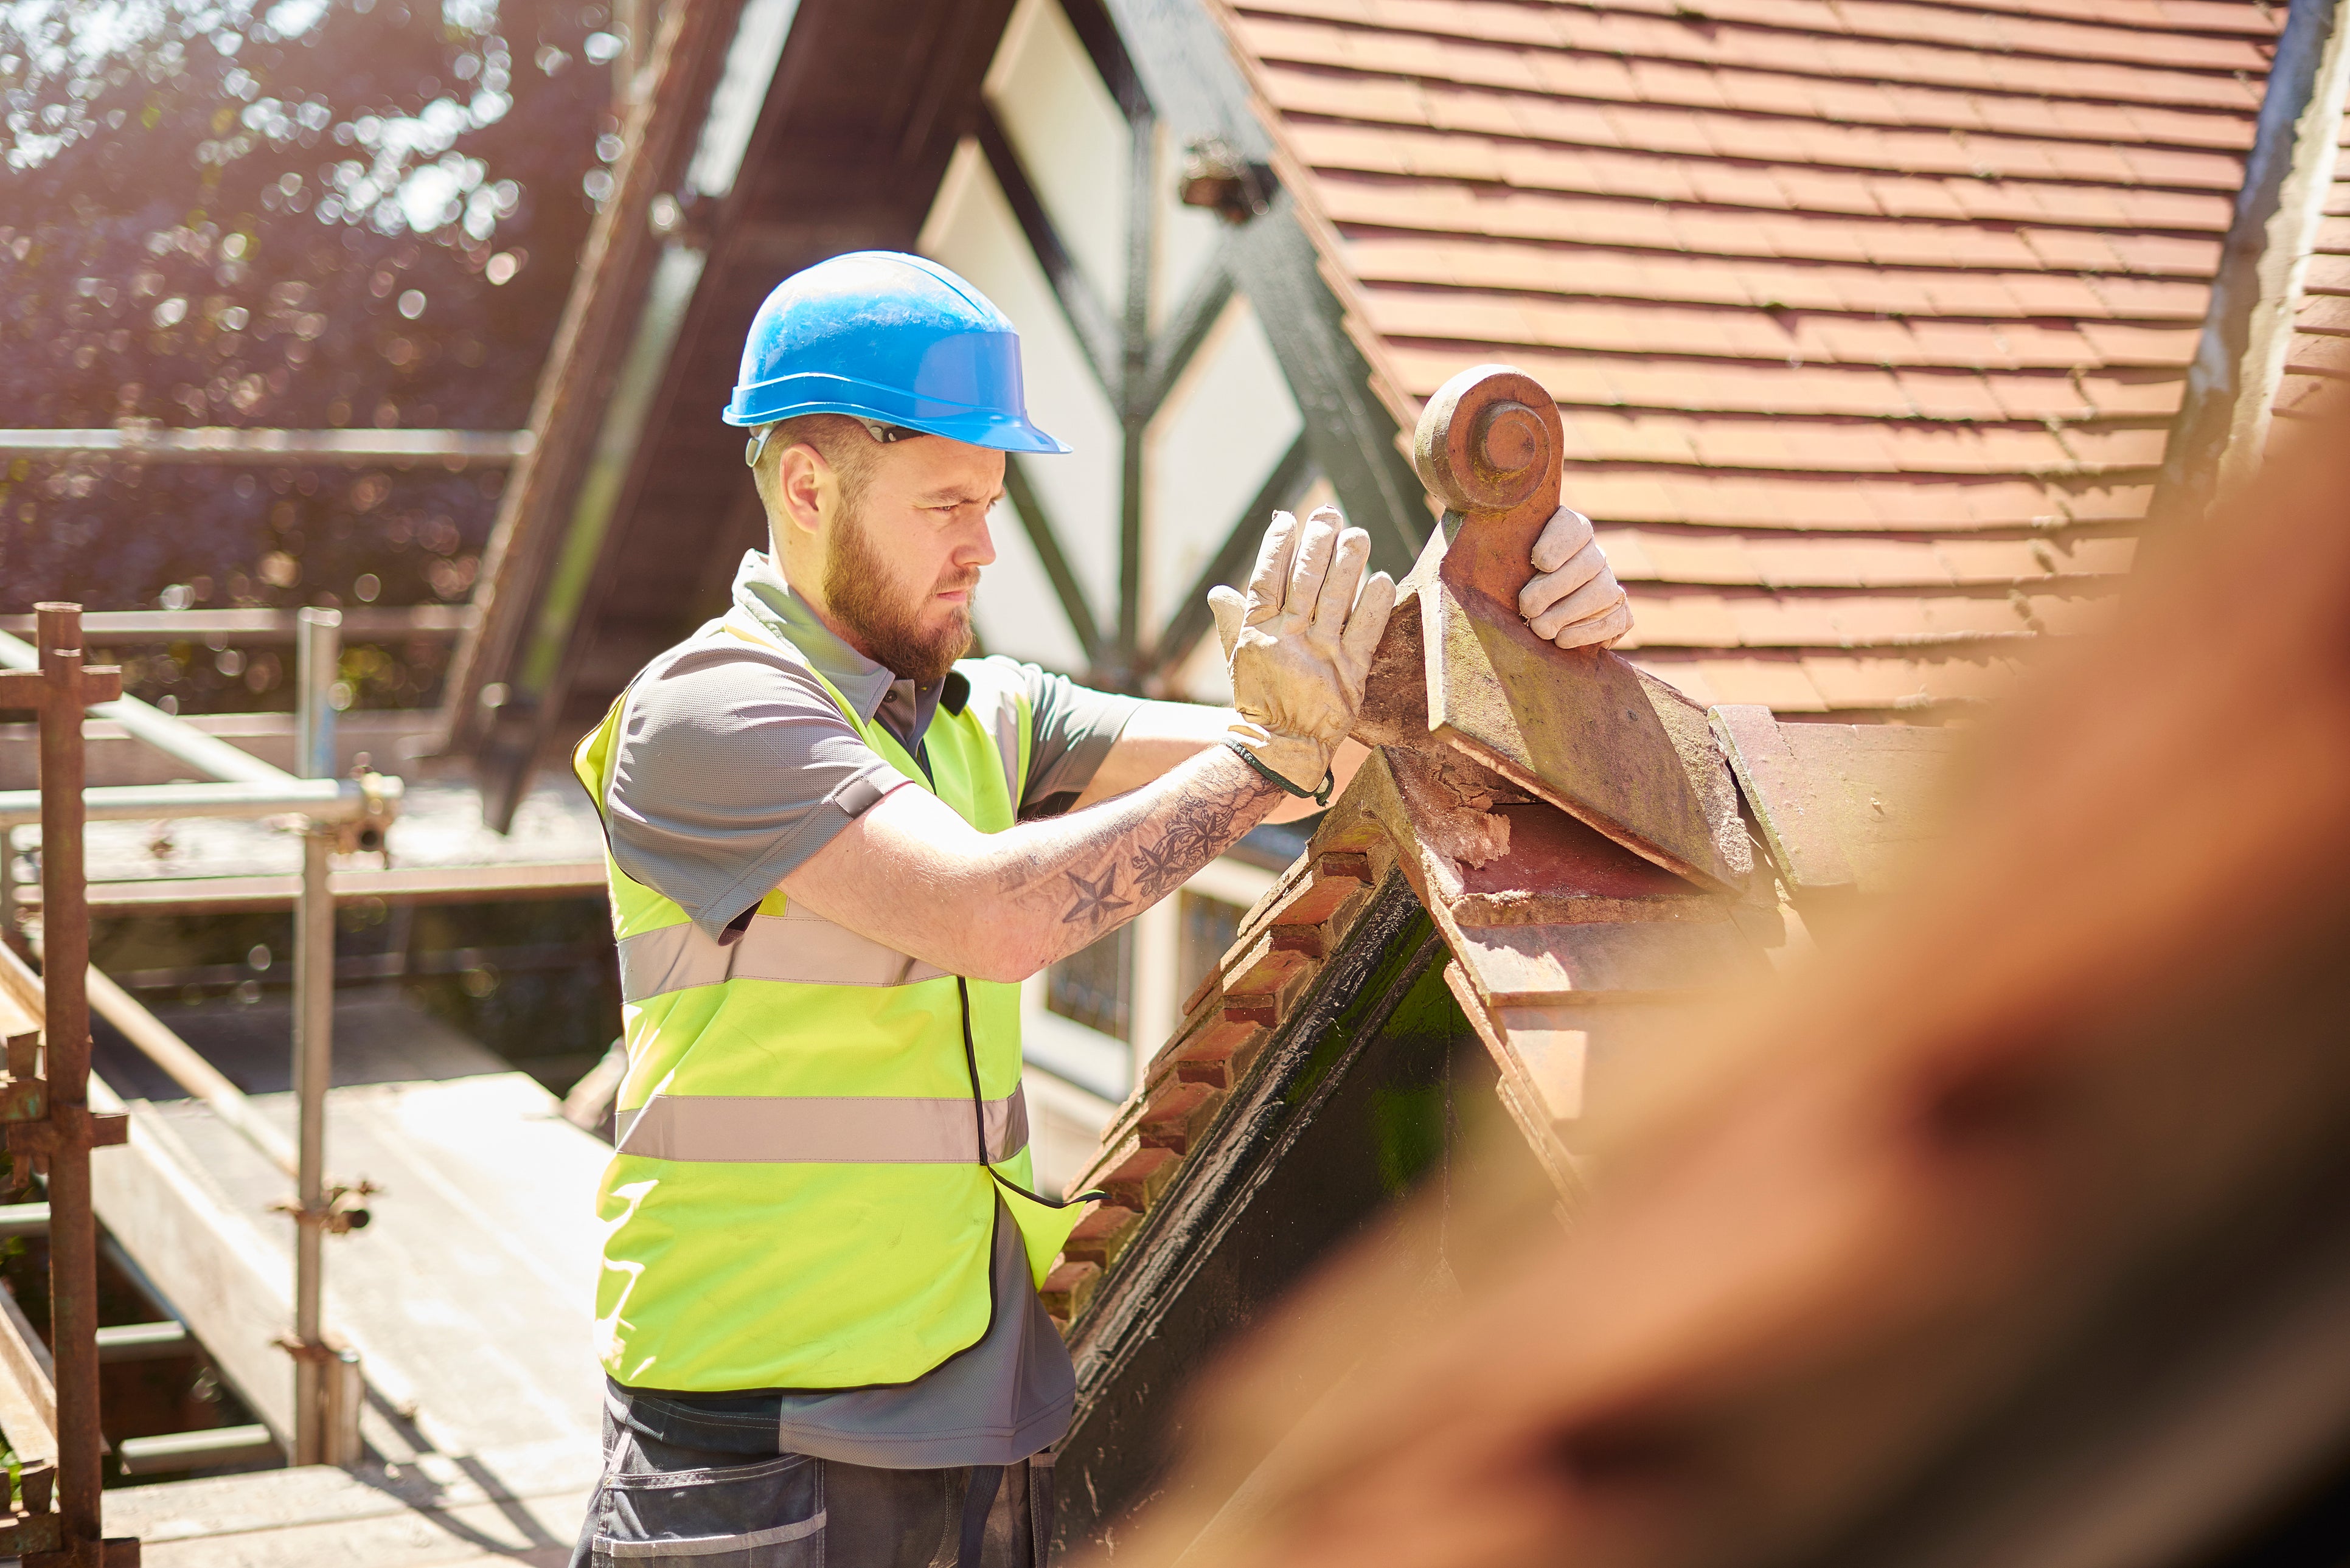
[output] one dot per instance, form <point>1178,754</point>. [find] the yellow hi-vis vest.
<point>798,1198</point>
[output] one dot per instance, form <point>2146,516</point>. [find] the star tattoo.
<point>1096,900</point>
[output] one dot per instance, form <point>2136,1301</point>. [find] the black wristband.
<point>1318,796</point>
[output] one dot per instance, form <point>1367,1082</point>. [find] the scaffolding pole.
<point>329,802</point>
<point>182,741</point>
<point>349,812</point>
<point>325,1375</point>
<point>49,1114</point>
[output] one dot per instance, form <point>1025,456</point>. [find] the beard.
<point>859,586</point>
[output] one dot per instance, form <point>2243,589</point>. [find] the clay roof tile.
<point>1838,298</point>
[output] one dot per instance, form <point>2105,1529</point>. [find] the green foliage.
<point>290,214</point>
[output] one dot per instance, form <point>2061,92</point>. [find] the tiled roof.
<point>1567,884</point>
<point>1867,319</point>
<point>2319,356</point>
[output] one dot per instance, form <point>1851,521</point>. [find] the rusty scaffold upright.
<point>320,1423</point>
<point>47,1114</point>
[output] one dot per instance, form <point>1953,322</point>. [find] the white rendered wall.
<point>1071,137</point>
<point>972,229</point>
<point>1186,237</point>
<point>1227,422</point>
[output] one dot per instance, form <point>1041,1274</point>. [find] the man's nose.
<point>978,547</point>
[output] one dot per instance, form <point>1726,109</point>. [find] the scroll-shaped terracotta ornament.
<point>1582,727</point>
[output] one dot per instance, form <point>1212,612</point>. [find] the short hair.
<point>839,440</point>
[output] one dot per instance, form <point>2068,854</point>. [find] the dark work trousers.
<point>689,1486</point>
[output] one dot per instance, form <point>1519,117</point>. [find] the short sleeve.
<point>1075,727</point>
<point>733,766</point>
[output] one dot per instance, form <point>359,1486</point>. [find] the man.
<point>835,848</point>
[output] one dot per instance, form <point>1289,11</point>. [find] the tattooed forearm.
<point>1107,864</point>
<point>911,874</point>
<point>1193,830</point>
<point>1097,899</point>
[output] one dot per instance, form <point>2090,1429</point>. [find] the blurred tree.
<point>294,213</point>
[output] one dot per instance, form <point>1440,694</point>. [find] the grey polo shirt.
<point>733,766</point>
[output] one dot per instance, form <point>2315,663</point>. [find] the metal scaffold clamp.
<point>365,834</point>
<point>344,1210</point>
<point>327,1373</point>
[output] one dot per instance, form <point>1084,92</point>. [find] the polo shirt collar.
<point>904,708</point>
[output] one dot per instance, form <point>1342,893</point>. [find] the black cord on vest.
<point>970,1061</point>
<point>979,1114</point>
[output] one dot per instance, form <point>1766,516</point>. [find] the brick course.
<point>1282,944</point>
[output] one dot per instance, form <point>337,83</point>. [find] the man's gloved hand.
<point>1573,600</point>
<point>1300,644</point>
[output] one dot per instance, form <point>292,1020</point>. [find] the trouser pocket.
<point>769,1515</point>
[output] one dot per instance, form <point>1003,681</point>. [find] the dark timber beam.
<point>1092,24</point>
<point>1135,408</point>
<point>1352,434</point>
<point>1186,66</point>
<point>1185,330</point>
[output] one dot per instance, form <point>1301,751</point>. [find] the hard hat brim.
<point>788,397</point>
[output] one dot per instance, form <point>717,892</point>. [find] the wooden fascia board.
<point>740,214</point>
<point>719,236</point>
<point>547,712</point>
<point>616,266</point>
<point>1252,1131</point>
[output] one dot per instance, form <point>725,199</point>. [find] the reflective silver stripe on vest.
<point>822,1130</point>
<point>791,946</point>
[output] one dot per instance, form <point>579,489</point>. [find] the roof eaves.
<point>598,327</point>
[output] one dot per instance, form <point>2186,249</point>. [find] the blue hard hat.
<point>888,337</point>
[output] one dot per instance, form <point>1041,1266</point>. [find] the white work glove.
<point>1573,600</point>
<point>1299,646</point>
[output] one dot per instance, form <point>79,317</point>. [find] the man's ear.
<point>803,479</point>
